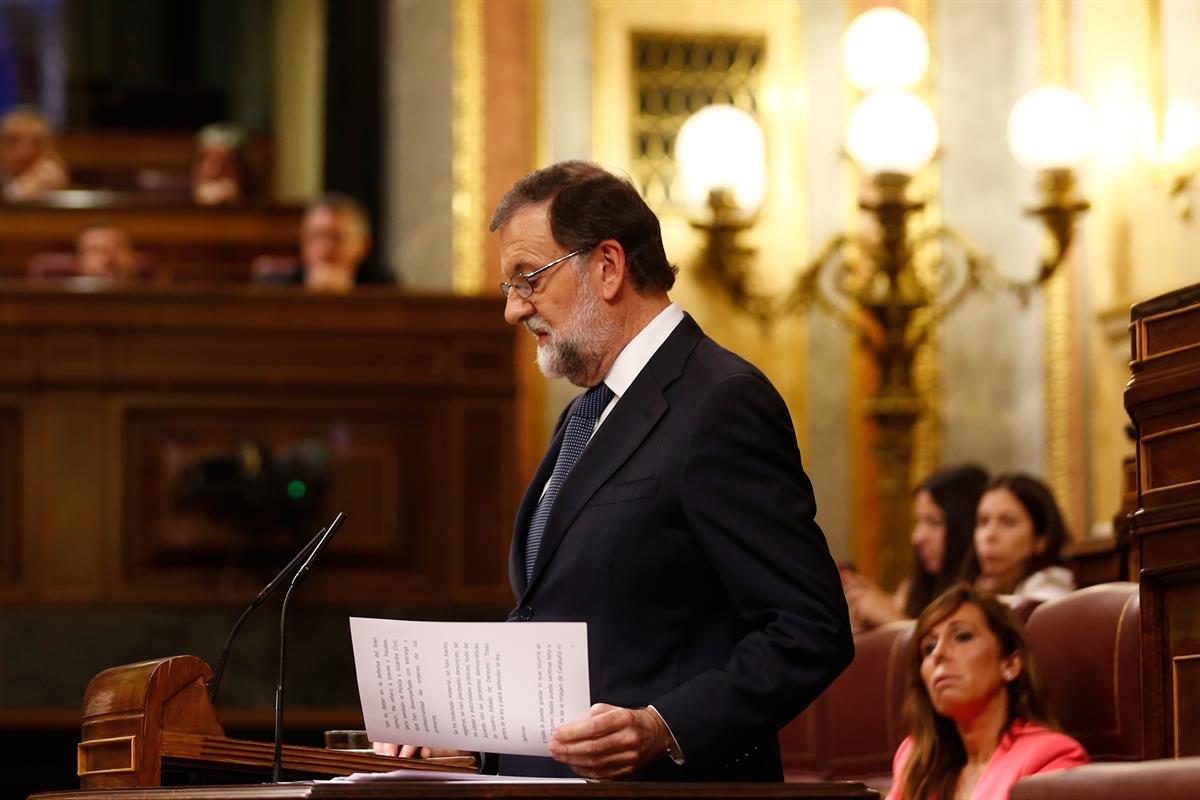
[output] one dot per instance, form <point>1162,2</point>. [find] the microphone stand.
<point>277,766</point>
<point>215,684</point>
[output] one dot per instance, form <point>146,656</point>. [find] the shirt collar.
<point>641,348</point>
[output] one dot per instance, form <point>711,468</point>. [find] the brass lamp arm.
<point>1058,211</point>
<point>810,290</point>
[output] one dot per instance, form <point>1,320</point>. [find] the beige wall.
<point>418,85</point>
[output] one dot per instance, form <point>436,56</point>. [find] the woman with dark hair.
<point>974,705</point>
<point>1019,534</point>
<point>943,522</point>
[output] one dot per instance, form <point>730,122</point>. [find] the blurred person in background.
<point>105,250</point>
<point>220,173</point>
<point>29,164</point>
<point>335,238</point>
<point>1019,534</point>
<point>943,523</point>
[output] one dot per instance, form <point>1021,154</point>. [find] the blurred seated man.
<point>335,238</point>
<point>105,251</point>
<point>219,173</point>
<point>29,164</point>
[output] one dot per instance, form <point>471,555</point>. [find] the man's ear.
<point>610,256</point>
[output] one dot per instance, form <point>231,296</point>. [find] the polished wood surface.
<point>1094,561</point>
<point>155,162</point>
<point>1163,401</point>
<point>111,396</point>
<point>613,790</point>
<point>139,719</point>
<point>188,242</point>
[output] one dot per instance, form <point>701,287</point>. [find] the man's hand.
<point>611,743</point>
<point>415,751</point>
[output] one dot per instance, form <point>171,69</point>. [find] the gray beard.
<point>576,352</point>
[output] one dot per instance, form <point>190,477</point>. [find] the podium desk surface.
<point>453,790</point>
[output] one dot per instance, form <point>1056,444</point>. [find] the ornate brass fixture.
<point>871,282</point>
<point>871,285</point>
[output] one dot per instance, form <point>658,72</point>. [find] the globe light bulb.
<point>1050,128</point>
<point>891,131</point>
<point>721,147</point>
<point>1181,132</point>
<point>884,49</point>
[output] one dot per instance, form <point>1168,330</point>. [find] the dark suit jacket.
<point>684,537</point>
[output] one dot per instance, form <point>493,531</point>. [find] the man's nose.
<point>516,308</point>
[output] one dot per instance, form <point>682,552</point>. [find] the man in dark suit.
<point>671,512</point>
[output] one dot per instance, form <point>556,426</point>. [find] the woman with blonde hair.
<point>974,705</point>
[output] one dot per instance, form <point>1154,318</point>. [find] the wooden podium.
<point>449,790</point>
<point>140,719</point>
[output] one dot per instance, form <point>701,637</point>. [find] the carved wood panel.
<point>189,441</point>
<point>194,510</point>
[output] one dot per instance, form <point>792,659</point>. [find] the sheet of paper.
<point>403,775</point>
<point>496,687</point>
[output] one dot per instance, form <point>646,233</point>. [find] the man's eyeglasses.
<point>520,283</point>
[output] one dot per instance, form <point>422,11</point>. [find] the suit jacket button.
<point>525,613</point>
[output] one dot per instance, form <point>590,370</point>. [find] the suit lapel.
<point>627,426</point>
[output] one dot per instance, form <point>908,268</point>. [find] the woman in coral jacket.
<point>974,706</point>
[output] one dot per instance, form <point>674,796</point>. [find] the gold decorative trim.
<point>1156,90</point>
<point>541,60</point>
<point>1063,460</point>
<point>468,166</point>
<point>927,367</point>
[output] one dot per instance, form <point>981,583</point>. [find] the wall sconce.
<point>721,157</point>
<point>1050,131</point>
<point>870,282</point>
<point>1178,158</point>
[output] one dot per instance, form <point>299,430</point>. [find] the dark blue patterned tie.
<point>579,430</point>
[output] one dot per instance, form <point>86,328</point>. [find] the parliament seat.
<point>1160,779</point>
<point>276,269</point>
<point>853,728</point>
<point>66,265</point>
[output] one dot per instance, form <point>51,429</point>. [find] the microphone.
<point>215,684</point>
<point>321,541</point>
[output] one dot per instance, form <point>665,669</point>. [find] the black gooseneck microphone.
<point>277,768</point>
<point>215,684</point>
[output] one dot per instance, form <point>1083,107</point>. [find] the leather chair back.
<point>1088,648</point>
<point>853,729</point>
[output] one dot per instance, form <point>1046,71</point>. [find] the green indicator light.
<point>297,489</point>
